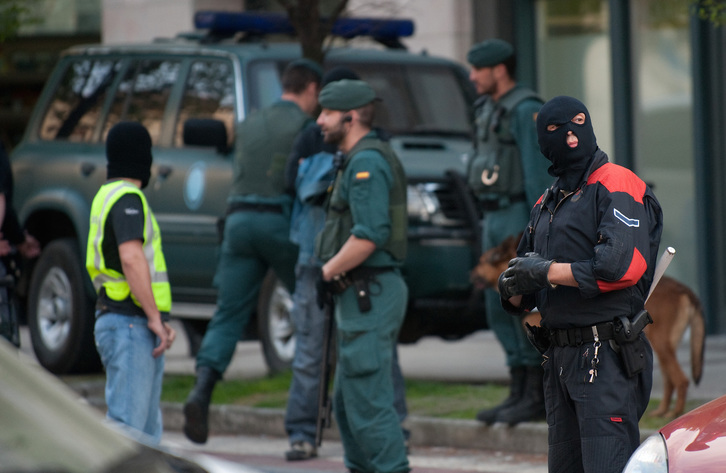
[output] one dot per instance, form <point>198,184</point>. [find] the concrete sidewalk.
<point>475,359</point>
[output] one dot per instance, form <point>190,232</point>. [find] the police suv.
<point>190,92</point>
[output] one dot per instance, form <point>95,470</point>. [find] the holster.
<point>539,337</point>
<point>360,278</point>
<point>628,343</point>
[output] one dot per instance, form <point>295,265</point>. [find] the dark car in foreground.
<point>46,428</point>
<point>190,92</point>
<point>694,442</point>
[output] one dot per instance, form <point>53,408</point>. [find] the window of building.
<point>663,104</point>
<point>573,58</point>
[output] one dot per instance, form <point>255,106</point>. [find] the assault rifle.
<point>327,363</point>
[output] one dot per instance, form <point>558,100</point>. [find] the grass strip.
<point>424,398</point>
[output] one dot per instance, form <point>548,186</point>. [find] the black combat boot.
<point>531,405</point>
<point>196,409</point>
<point>516,388</point>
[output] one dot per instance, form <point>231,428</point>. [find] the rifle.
<point>324,403</point>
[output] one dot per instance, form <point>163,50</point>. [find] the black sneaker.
<point>301,451</point>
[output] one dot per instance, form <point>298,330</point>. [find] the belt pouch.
<point>362,294</point>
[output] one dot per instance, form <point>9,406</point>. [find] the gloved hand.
<point>525,275</point>
<point>324,292</point>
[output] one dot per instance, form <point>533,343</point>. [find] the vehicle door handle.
<point>164,171</point>
<point>87,169</point>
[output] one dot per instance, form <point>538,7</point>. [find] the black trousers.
<point>593,426</point>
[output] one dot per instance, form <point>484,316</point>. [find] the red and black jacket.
<point>609,229</point>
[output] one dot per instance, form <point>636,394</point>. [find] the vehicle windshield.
<point>416,99</point>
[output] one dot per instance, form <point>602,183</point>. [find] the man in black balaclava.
<point>128,153</point>
<point>587,262</point>
<point>569,143</point>
<point>125,261</point>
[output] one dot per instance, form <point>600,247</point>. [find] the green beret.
<point>309,64</point>
<point>489,53</point>
<point>346,94</point>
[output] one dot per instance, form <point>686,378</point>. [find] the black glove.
<point>324,292</point>
<point>525,275</point>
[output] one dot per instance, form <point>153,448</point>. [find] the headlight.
<point>650,457</point>
<point>422,202</point>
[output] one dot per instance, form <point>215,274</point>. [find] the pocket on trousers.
<point>359,354</point>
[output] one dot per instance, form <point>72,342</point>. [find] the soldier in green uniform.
<point>363,245</point>
<point>507,174</point>
<point>257,229</point>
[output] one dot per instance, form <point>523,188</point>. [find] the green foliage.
<point>13,15</point>
<point>711,10</point>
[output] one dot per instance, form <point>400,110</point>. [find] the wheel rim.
<point>54,308</point>
<point>282,332</point>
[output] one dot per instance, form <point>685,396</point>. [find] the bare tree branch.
<point>310,26</point>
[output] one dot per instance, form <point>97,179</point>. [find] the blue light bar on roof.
<point>229,23</point>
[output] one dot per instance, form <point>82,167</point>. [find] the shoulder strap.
<point>517,95</point>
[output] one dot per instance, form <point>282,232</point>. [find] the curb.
<point>425,431</point>
<point>526,437</point>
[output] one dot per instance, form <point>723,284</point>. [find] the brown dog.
<point>673,307</point>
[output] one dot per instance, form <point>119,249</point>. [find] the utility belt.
<point>253,207</point>
<point>623,335</point>
<point>489,205</point>
<point>361,278</point>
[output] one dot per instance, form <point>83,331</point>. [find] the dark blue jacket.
<point>609,229</point>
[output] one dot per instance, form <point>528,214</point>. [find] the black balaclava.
<point>568,164</point>
<point>128,152</point>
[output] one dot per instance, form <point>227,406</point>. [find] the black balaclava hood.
<point>568,164</point>
<point>128,152</point>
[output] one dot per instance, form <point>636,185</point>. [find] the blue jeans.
<point>302,404</point>
<point>133,375</point>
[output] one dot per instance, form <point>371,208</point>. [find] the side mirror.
<point>206,132</point>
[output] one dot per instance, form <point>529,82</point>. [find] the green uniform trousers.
<point>363,392</point>
<point>498,225</point>
<point>253,242</point>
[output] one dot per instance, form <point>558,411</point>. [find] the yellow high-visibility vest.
<point>114,282</point>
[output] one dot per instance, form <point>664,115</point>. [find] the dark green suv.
<point>173,87</point>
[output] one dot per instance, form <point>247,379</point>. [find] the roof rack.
<point>223,24</point>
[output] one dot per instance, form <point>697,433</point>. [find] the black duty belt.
<point>572,337</point>
<point>501,202</point>
<point>253,207</point>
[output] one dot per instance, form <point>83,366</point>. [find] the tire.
<point>274,324</point>
<point>60,311</point>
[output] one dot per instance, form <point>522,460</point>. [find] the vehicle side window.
<point>264,84</point>
<point>209,93</point>
<point>143,94</point>
<point>75,109</point>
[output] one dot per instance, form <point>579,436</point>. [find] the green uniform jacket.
<point>368,200</point>
<point>264,141</point>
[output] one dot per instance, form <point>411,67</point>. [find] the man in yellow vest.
<point>126,264</point>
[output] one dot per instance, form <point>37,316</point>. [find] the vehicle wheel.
<point>60,312</point>
<point>274,324</point>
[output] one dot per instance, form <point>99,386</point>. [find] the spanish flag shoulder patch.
<point>362,175</point>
